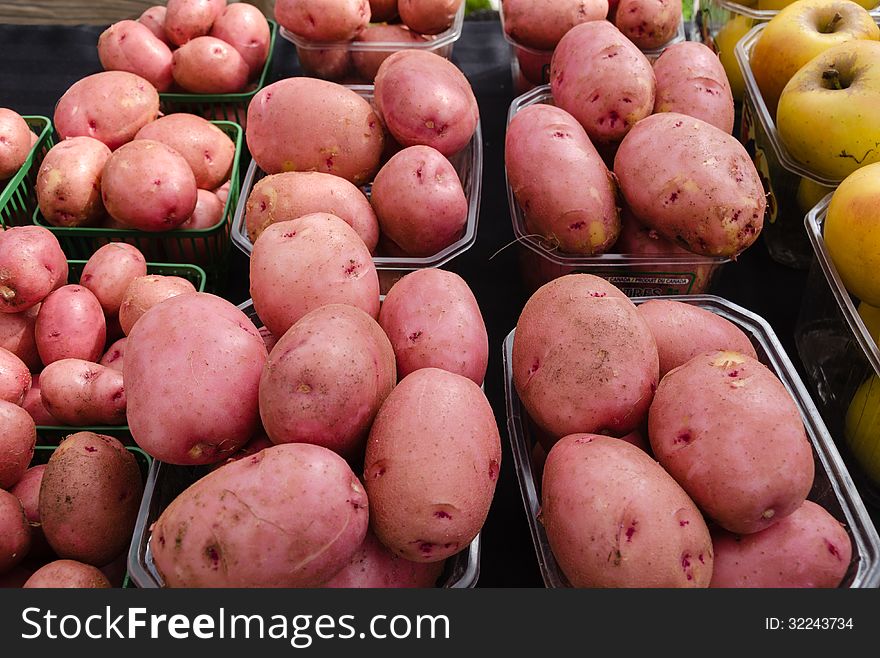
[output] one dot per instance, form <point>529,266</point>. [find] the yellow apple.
<point>852,231</point>
<point>725,41</point>
<point>799,33</point>
<point>871,317</point>
<point>862,428</point>
<point>809,193</point>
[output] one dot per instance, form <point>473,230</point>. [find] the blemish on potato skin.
<point>833,550</point>
<point>494,468</point>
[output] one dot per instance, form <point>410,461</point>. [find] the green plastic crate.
<point>208,247</point>
<point>19,197</point>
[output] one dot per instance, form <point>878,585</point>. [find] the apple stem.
<point>833,76</point>
<point>833,23</point>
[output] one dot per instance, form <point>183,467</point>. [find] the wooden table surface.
<point>88,12</point>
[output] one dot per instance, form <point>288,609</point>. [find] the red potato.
<point>326,379</point>
<point>332,63</point>
<point>188,19</point>
<point>31,266</point>
<point>615,518</point>
<point>808,548</point>
<point>131,46</point>
<point>256,444</point>
<point>110,106</point>
<point>732,436</point>
<point>419,201</point>
<point>289,516</point>
<point>222,192</point>
<point>109,272</point>
<point>534,65</point>
<point>428,16</point>
<point>15,379</point>
<point>425,99</point>
<point>15,142</point>
<point>69,182</point>
<point>207,214</point>
<point>540,24</point>
<point>115,355</point>
<point>648,23</point>
<point>244,27</point>
<point>323,20</point>
<point>33,404</point>
<point>18,436</point>
<point>208,65</point>
<point>148,186</point>
<point>192,372</point>
<point>71,324</point>
<point>67,574</point>
<point>303,124</point>
<point>433,321</point>
<point>298,265</point>
<point>15,533</point>
<point>382,10</point>
<point>145,292</point>
<point>154,19</point>
<point>27,490</point>
<point>290,195</point>
<point>683,331</point>
<point>17,336</point>
<point>15,578</point>
<point>602,79</point>
<point>367,62</point>
<point>81,393</point>
<point>431,465</point>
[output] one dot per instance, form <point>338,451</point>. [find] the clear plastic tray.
<point>440,44</point>
<point>637,276</point>
<point>838,352</point>
<point>468,164</point>
<point>832,487</point>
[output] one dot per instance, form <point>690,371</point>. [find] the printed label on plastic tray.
<point>652,285</point>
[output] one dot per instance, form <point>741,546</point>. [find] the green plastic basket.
<point>192,273</point>
<point>207,247</point>
<point>225,107</point>
<point>19,197</point>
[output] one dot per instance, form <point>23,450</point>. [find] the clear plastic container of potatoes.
<point>833,488</point>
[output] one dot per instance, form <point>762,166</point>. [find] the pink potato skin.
<point>573,203</point>
<point>81,393</point>
<point>382,10</point>
<point>808,548</point>
<point>289,516</point>
<point>114,357</point>
<point>208,65</point>
<point>428,16</point>
<point>18,436</point>
<point>15,379</point>
<point>602,79</point>
<point>31,266</point>
<point>683,331</point>
<point>431,465</point>
<point>71,325</point>
<point>207,150</point>
<point>15,533</point>
<point>328,63</point>
<point>131,46</point>
<point>69,182</point>
<point>17,336</point>
<point>326,379</point>
<point>33,404</point>
<point>367,62</point>
<point>425,99</point>
<point>433,321</point>
<point>244,27</point>
<point>375,565</point>
<point>154,19</point>
<point>207,214</point>
<point>192,372</point>
<point>648,23</point>
<point>419,201</point>
<point>145,292</point>
<point>692,81</point>
<point>731,435</point>
<point>187,19</point>
<point>707,195</point>
<point>615,518</point>
<point>109,272</point>
<point>110,106</point>
<point>27,490</point>
<point>540,24</point>
<point>301,264</point>
<point>15,142</point>
<point>584,360</point>
<point>323,20</point>
<point>303,124</point>
<point>67,574</point>
<point>290,195</point>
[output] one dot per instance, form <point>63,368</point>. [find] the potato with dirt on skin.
<point>244,27</point>
<point>301,264</point>
<point>18,436</point>
<point>81,393</point>
<point>69,182</point>
<point>615,518</point>
<point>292,194</point>
<point>15,533</point>
<point>208,65</point>
<point>540,24</point>
<point>188,19</point>
<point>729,432</point>
<point>419,201</point>
<point>71,324</point>
<point>31,266</point>
<point>192,373</point>
<point>67,574</point>
<point>431,465</point>
<point>323,20</point>
<point>15,378</point>
<point>154,19</point>
<point>109,271</point>
<point>428,16</point>
<point>289,516</point>
<point>433,321</point>
<point>584,360</point>
<point>367,62</point>
<point>110,106</point>
<point>649,24</point>
<point>131,46</point>
<point>145,292</point>
<point>15,142</point>
<point>304,124</point>
<point>573,202</point>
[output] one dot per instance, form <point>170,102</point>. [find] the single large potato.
<point>69,182</point>
<point>208,65</point>
<point>70,325</point>
<point>572,202</point>
<point>540,24</point>
<point>18,436</point>
<point>15,380</point>
<point>431,465</point>
<point>17,336</point>
<point>731,435</point>
<point>31,266</point>
<point>131,46</point>
<point>15,533</point>
<point>109,272</point>
<point>188,19</point>
<point>67,574</point>
<point>192,372</point>
<point>244,27</point>
<point>289,516</point>
<point>303,124</point>
<point>584,360</point>
<point>428,16</point>
<point>15,142</point>
<point>707,194</point>
<point>89,498</point>
<point>323,20</point>
<point>615,518</point>
<point>80,393</point>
